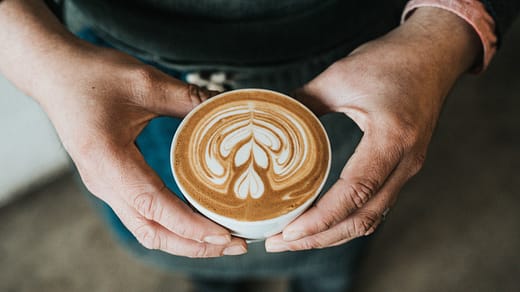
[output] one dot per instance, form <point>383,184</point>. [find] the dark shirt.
<point>503,12</point>
<point>238,32</point>
<point>260,32</point>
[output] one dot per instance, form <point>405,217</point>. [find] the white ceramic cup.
<point>254,230</point>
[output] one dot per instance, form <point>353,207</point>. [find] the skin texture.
<point>393,88</point>
<point>99,100</point>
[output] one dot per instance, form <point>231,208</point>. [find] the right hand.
<point>99,102</point>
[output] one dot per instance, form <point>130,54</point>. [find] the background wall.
<point>30,153</point>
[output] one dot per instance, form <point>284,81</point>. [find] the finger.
<point>142,189</point>
<point>365,173</point>
<point>362,222</point>
<point>154,236</point>
<point>165,95</point>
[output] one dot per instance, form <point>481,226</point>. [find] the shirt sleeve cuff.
<point>474,13</point>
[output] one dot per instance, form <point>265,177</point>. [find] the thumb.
<point>165,95</point>
<point>311,100</point>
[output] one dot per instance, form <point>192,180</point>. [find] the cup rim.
<point>200,208</point>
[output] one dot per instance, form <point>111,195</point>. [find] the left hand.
<point>393,88</point>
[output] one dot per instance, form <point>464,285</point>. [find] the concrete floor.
<point>456,226</point>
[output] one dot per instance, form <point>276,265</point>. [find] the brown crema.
<point>251,155</point>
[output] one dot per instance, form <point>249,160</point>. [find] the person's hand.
<point>99,103</point>
<point>99,100</point>
<point>393,88</point>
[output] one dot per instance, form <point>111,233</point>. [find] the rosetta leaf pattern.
<point>252,150</point>
<point>247,152</point>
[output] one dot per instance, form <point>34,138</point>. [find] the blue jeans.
<point>327,269</point>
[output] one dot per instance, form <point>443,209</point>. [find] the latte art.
<point>251,156</point>
<point>250,138</point>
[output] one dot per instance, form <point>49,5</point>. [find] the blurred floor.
<point>456,226</point>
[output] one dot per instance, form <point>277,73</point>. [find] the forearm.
<point>35,49</point>
<point>443,41</point>
<point>430,51</point>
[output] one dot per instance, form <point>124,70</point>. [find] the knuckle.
<point>202,252</point>
<point>309,243</point>
<point>326,220</point>
<point>146,205</point>
<point>148,236</point>
<point>360,192</point>
<point>363,224</point>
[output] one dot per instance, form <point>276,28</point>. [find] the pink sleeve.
<point>472,11</point>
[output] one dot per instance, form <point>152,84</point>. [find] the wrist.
<point>34,46</point>
<point>443,38</point>
<point>428,52</point>
<point>474,13</point>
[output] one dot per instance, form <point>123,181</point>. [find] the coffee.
<point>251,155</point>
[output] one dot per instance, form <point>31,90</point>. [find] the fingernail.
<point>275,247</point>
<point>217,239</point>
<point>292,235</point>
<point>234,250</point>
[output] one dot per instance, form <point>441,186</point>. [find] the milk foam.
<point>247,137</point>
<point>251,155</point>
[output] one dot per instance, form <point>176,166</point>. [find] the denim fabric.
<point>334,264</point>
